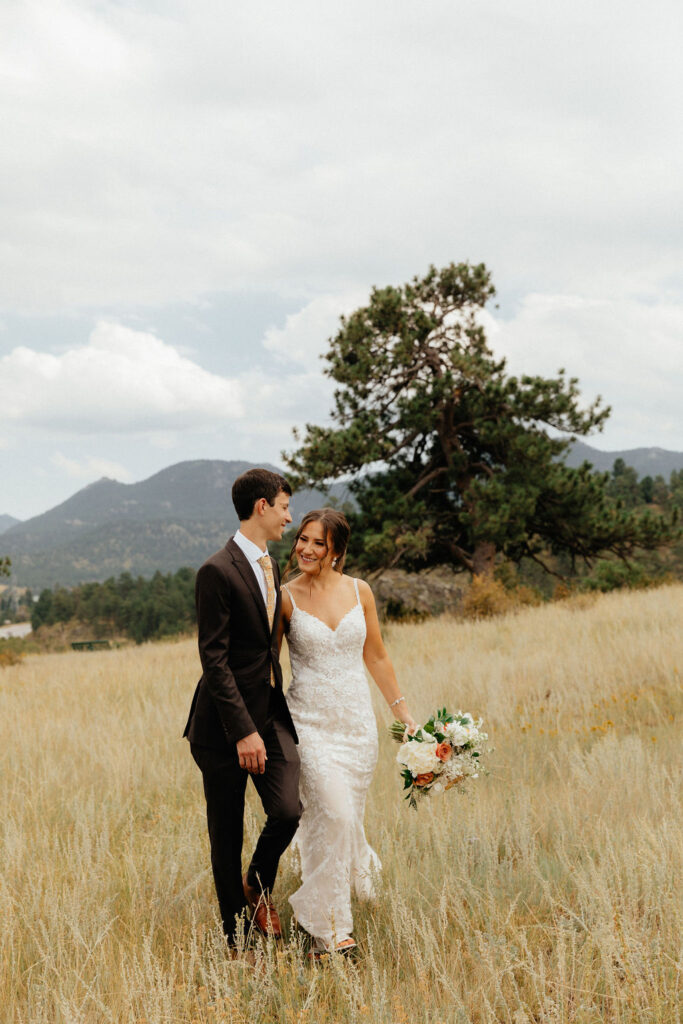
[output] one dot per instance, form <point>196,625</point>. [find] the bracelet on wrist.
<point>395,702</point>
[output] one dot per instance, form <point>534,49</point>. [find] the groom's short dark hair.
<point>253,485</point>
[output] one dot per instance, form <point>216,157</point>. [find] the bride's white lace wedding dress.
<point>329,699</point>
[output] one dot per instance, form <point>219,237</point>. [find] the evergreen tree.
<point>623,485</point>
<point>451,457</point>
<point>646,489</point>
<point>138,608</point>
<point>676,489</point>
<point>660,490</point>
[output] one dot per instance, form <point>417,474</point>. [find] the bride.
<point>332,628</point>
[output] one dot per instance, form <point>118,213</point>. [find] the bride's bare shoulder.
<point>359,580</point>
<point>364,589</point>
<point>293,584</point>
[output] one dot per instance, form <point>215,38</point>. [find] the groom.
<point>239,723</point>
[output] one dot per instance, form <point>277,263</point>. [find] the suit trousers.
<point>224,788</point>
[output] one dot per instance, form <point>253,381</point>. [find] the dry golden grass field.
<point>551,893</point>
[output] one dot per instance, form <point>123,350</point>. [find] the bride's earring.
<point>334,562</point>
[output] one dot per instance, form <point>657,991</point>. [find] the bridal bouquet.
<point>445,751</point>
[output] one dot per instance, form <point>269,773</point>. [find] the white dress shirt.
<point>253,553</point>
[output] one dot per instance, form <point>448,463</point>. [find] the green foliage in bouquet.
<point>433,726</point>
<point>446,761</point>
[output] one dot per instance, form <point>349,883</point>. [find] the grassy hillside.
<point>551,894</point>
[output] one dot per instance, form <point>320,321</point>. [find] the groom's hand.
<point>251,752</point>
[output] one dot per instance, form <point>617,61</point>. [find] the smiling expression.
<point>313,553</point>
<point>276,517</point>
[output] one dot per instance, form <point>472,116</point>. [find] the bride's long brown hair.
<point>337,533</point>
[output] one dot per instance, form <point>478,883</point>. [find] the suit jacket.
<point>234,697</point>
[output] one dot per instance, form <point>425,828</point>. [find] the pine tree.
<point>451,458</point>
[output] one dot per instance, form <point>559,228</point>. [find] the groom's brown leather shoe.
<point>264,916</point>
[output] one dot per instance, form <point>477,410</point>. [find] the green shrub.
<point>608,576</point>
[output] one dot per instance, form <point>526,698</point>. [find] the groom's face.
<point>277,517</point>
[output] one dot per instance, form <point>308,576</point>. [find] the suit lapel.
<point>278,606</point>
<point>247,573</point>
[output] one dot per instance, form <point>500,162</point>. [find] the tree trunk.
<point>484,558</point>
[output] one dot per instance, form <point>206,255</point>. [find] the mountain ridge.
<point>645,461</point>
<point>179,516</point>
<point>7,522</point>
<point>173,492</point>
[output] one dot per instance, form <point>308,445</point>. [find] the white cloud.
<point>122,381</point>
<point>629,352</point>
<point>160,153</point>
<point>89,467</point>
<point>305,334</point>
<point>155,152</point>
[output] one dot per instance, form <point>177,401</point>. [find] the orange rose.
<point>424,780</point>
<point>444,751</point>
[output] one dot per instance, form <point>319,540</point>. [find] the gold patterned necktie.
<point>267,566</point>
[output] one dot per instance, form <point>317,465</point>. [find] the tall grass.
<point>552,893</point>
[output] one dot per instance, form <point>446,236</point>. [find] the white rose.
<point>419,758</point>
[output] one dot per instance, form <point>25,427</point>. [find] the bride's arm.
<point>378,661</point>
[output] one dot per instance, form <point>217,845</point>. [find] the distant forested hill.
<point>646,461</point>
<point>175,518</point>
<point>140,547</point>
<point>187,491</point>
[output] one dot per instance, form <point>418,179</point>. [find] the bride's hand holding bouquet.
<point>404,719</point>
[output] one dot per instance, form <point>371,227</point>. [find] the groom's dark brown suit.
<point>233,699</point>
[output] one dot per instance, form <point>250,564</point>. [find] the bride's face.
<point>313,554</point>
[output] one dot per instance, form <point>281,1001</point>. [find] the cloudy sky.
<point>192,191</point>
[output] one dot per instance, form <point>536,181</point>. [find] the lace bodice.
<point>327,665</point>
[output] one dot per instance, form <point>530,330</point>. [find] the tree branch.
<point>539,561</point>
<point>425,480</point>
<point>487,469</point>
<point>462,556</point>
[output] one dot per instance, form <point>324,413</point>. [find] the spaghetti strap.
<point>291,597</point>
<point>355,584</point>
